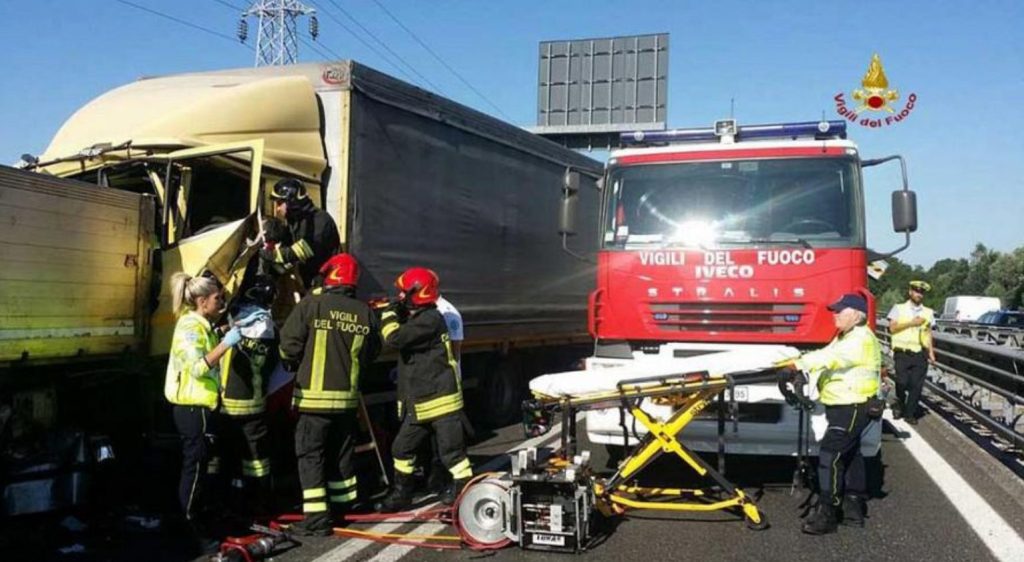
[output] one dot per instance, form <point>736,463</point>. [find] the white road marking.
<point>991,528</point>
<point>352,546</point>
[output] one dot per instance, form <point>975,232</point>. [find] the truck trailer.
<point>179,169</point>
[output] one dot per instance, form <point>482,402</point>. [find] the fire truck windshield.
<point>816,202</point>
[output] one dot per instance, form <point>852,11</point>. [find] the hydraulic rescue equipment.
<point>555,505</point>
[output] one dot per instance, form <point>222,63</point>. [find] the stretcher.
<point>690,385</point>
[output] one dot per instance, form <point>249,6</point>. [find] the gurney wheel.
<point>760,525</point>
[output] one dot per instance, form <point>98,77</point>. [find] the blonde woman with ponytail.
<point>191,385</point>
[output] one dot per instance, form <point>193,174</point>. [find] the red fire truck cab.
<point>718,238</point>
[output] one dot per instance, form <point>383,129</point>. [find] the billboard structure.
<point>590,90</point>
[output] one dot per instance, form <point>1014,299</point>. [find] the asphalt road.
<point>910,517</point>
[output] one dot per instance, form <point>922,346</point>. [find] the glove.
<point>400,310</point>
<point>233,337</point>
<point>270,255</point>
<point>252,318</point>
<point>787,374</point>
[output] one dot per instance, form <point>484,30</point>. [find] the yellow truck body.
<point>76,268</point>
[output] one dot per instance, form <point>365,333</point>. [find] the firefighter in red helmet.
<point>330,336</point>
<point>429,387</point>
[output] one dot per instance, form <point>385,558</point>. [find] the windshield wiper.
<point>795,240</point>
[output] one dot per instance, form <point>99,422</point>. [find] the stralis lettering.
<point>662,258</point>
<point>785,257</point>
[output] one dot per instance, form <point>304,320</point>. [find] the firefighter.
<point>245,372</point>
<point>439,478</point>
<point>331,336</point>
<point>910,324</point>
<point>848,372</point>
<point>191,385</point>
<point>429,387</point>
<point>314,234</point>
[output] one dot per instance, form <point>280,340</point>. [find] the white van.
<point>967,308</point>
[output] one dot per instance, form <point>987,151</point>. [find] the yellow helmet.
<point>922,286</point>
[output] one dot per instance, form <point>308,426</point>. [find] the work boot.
<point>454,489</point>
<point>439,479</point>
<point>853,511</point>
<point>822,521</point>
<point>314,525</point>
<point>400,496</point>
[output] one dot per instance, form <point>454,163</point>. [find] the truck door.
<point>210,200</point>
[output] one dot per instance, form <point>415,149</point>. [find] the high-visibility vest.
<point>848,368</point>
<point>914,338</point>
<point>189,381</point>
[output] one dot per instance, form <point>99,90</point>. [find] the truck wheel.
<point>502,392</point>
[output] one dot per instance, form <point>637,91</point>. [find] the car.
<point>966,308</point>
<point>1003,318</point>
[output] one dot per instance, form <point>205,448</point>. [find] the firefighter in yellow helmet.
<point>910,324</point>
<point>848,373</point>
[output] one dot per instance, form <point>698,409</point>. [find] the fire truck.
<point>730,237</point>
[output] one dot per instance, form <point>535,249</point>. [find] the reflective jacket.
<point>189,380</point>
<point>848,368</point>
<point>333,337</point>
<point>913,338</point>
<point>429,385</point>
<point>314,240</point>
<point>245,372</point>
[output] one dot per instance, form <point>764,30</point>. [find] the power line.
<point>440,60</point>
<point>319,51</point>
<point>229,5</point>
<point>182,22</point>
<point>367,45</point>
<point>385,46</point>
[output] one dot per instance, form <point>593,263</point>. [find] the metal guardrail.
<point>981,378</point>
<point>987,333</point>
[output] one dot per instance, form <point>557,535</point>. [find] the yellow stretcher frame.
<point>695,392</point>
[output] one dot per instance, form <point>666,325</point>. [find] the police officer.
<point>245,372</point>
<point>332,336</point>
<point>429,387</point>
<point>848,372</point>
<point>314,234</point>
<point>910,324</point>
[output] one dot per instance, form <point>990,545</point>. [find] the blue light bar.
<point>816,129</point>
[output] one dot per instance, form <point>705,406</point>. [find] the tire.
<point>502,394</point>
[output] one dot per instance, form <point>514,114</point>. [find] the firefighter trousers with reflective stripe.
<point>451,444</point>
<point>840,464</point>
<point>197,427</point>
<point>911,368</point>
<point>247,446</point>
<point>325,445</point>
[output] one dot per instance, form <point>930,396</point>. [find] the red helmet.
<point>341,269</point>
<point>419,284</point>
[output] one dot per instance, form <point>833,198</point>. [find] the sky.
<point>779,61</point>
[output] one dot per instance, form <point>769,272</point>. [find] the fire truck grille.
<point>764,318</point>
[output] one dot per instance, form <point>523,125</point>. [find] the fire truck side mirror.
<point>904,211</point>
<point>570,196</point>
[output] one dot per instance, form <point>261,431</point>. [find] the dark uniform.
<point>245,372</point>
<point>314,234</point>
<point>333,336</point>
<point>429,393</point>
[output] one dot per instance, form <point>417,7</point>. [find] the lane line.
<point>353,546</point>
<point>1002,541</point>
